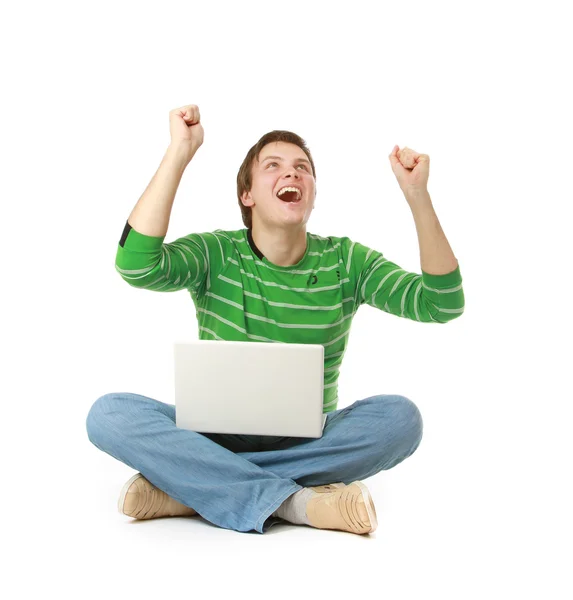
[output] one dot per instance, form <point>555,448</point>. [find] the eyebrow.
<point>279,158</point>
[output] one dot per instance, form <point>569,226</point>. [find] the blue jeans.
<point>238,481</point>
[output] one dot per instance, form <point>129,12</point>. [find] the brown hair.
<point>245,174</point>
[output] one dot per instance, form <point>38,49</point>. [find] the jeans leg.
<point>358,441</point>
<point>203,471</point>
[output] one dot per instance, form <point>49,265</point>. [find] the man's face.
<point>281,165</point>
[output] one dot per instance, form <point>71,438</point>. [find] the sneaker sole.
<point>123,493</point>
<point>369,505</point>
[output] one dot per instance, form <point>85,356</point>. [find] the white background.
<point>482,509</point>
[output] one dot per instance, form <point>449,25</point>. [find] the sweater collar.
<point>253,245</point>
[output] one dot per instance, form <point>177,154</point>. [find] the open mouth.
<point>290,195</point>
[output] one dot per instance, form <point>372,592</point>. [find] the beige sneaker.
<point>140,499</point>
<point>349,508</point>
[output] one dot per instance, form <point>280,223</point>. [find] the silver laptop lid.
<point>249,388</point>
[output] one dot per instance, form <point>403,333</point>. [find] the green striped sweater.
<point>241,296</point>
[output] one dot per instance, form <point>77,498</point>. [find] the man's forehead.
<point>281,150</point>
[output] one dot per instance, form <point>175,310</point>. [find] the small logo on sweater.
<point>314,279</point>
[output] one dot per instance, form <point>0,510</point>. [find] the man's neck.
<point>281,247</point>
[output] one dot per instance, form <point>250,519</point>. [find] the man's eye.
<point>274,163</point>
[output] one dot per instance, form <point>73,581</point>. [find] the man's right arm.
<point>151,214</point>
<point>142,259</point>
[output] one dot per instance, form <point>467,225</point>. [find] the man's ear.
<point>247,196</point>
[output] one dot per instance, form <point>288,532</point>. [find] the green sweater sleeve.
<point>423,297</point>
<point>147,262</point>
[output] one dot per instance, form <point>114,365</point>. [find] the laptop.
<point>249,388</point>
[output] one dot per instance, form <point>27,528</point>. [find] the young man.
<point>272,281</point>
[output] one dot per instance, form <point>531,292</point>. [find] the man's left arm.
<point>436,255</point>
<point>437,294</point>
